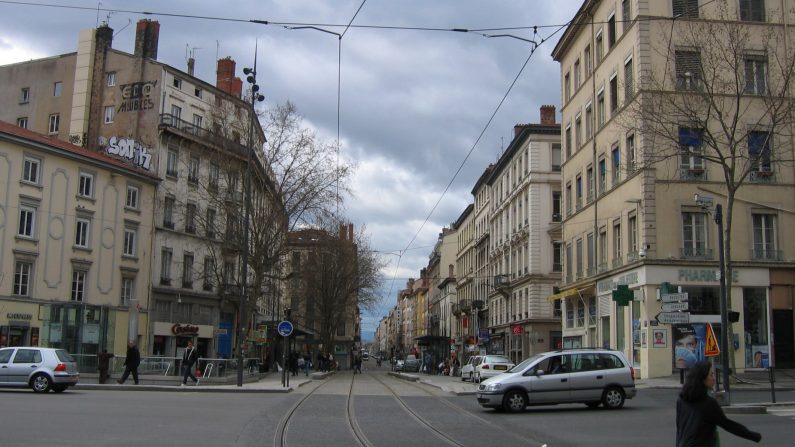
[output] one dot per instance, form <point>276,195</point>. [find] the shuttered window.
<point>688,69</point>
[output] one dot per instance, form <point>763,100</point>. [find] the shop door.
<point>783,338</point>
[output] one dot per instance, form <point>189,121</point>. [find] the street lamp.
<point>705,202</point>
<point>243,323</point>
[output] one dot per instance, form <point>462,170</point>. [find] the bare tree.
<point>721,112</point>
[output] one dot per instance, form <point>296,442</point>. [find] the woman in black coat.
<point>698,414</point>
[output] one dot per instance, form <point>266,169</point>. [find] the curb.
<point>407,377</point>
<point>181,389</point>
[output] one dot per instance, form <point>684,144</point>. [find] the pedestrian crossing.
<point>788,411</point>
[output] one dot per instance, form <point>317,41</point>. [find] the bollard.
<point>772,384</point>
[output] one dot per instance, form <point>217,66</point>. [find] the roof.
<point>518,142</point>
<point>574,27</point>
<point>14,133</point>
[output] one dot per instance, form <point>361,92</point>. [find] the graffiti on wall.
<point>129,149</point>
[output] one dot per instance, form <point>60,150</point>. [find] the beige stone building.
<point>76,241</point>
<point>634,158</point>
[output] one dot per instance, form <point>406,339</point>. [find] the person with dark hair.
<point>131,363</point>
<point>698,414</point>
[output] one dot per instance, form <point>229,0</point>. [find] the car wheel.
<point>59,388</point>
<point>41,383</point>
<point>514,401</point>
<point>613,398</point>
<point>471,378</point>
<point>593,404</point>
<point>478,379</point>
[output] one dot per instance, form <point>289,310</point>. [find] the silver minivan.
<point>590,376</point>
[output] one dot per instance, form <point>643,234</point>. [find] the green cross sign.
<point>622,295</point>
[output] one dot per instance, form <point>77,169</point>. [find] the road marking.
<point>782,412</point>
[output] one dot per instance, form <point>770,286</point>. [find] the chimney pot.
<point>547,114</point>
<point>191,65</point>
<point>147,33</point>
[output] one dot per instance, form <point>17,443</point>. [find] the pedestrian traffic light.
<point>622,295</point>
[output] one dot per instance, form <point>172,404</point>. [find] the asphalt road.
<point>371,410</point>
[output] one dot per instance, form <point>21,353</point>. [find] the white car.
<point>492,365</point>
<point>468,370</point>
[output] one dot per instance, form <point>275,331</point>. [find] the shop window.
<point>755,312</point>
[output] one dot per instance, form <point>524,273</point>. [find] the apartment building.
<point>75,245</point>
<point>190,133</point>
<point>638,146</point>
<point>524,222</point>
<point>463,326</point>
<point>482,282</point>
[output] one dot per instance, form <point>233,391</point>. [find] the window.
<point>690,142</point>
<point>759,151</point>
<point>755,74</point>
<point>694,234</point>
<point>31,170</point>
<point>615,156</point>
<point>602,175</point>
<point>22,122</point>
<point>197,92</point>
<point>613,93</point>
<point>688,69</point>
<point>685,8</point>
<point>568,141</point>
<point>631,155</point>
<point>110,77</point>
<point>187,270</point>
<point>576,74</point>
<point>556,206</point>
<point>177,83</point>
<point>567,87</point>
<point>626,14</point>
<point>599,47</point>
<point>632,223</point>
<point>109,112</point>
<point>752,10</point>
<point>171,163</point>
<point>629,80</point>
<point>78,285</point>
<point>176,112</point>
<point>588,122</point>
<point>556,161</point>
<point>132,197</point>
<point>22,277</point>
<point>27,221</point>
<point>578,190</point>
<point>591,255</point>
<point>229,273</point>
<point>587,58</point>
<point>569,263</point>
<point>190,218</point>
<point>197,123</point>
<point>602,251</point>
<point>57,88</point>
<point>577,132</point>
<point>579,259</point>
<point>168,212</point>
<point>86,185</point>
<point>209,272</point>
<point>24,95</point>
<point>210,223</point>
<point>611,31</point>
<point>165,266</point>
<point>130,236</point>
<point>589,178</point>
<point>600,109</point>
<point>557,256</point>
<point>764,227</point>
<point>617,242</point>
<point>127,290</point>
<point>54,124</point>
<point>193,169</point>
<point>215,170</point>
<point>82,232</point>
<point>568,199</point>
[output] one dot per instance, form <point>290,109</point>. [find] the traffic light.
<point>622,295</point>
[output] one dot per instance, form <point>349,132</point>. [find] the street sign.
<point>673,317</point>
<point>285,328</point>
<point>711,348</point>
<point>673,297</point>
<point>673,307</point>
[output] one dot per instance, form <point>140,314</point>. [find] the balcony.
<point>579,203</point>
<point>762,177</point>
<point>190,229</point>
<point>696,253</point>
<point>557,218</point>
<point>632,256</point>
<point>207,287</point>
<point>187,284</point>
<point>192,131</point>
<point>169,225</point>
<point>618,261</point>
<point>602,267</point>
<point>692,174</point>
<point>165,281</point>
<point>765,254</point>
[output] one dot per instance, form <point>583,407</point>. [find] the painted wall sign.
<point>16,316</point>
<point>129,149</point>
<point>179,329</point>
<point>699,275</point>
<point>137,96</point>
<point>629,279</point>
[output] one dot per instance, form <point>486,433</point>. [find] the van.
<point>589,376</point>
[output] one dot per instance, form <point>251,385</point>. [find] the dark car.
<point>412,364</point>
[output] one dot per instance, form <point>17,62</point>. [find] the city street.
<point>373,409</point>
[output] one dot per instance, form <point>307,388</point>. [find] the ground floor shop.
<point>521,340</point>
<point>761,297</point>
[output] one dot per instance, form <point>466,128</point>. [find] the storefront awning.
<point>582,291</point>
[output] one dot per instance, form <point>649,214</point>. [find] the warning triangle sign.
<point>711,348</point>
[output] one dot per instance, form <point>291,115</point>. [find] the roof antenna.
<point>98,5</point>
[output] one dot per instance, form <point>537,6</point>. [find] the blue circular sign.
<point>285,328</point>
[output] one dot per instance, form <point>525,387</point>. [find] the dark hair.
<point>694,388</point>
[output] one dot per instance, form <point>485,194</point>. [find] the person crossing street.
<point>189,359</point>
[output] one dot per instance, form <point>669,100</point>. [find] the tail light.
<point>632,373</point>
<point>486,366</point>
<point>60,368</point>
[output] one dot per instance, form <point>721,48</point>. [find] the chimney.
<point>451,273</point>
<point>104,37</point>
<point>517,129</point>
<point>191,65</point>
<point>147,33</point>
<point>548,115</point>
<point>226,79</point>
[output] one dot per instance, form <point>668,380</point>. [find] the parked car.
<point>412,364</point>
<point>468,370</point>
<point>42,369</point>
<point>399,365</point>
<point>365,356</point>
<point>590,376</point>
<point>491,365</point>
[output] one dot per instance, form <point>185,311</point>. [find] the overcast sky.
<point>413,102</point>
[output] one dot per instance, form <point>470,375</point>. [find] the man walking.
<point>131,363</point>
<point>189,358</point>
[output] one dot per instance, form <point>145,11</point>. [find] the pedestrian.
<point>427,361</point>
<point>103,365</point>
<point>357,364</point>
<point>307,358</point>
<point>698,414</point>
<point>302,364</point>
<point>189,358</point>
<point>131,363</point>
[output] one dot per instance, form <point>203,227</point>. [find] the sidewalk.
<point>267,383</point>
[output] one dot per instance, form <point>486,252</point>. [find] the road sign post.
<point>673,307</point>
<point>673,297</point>
<point>673,317</point>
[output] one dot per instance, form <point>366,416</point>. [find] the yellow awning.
<point>581,291</point>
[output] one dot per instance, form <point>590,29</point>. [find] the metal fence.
<point>170,366</point>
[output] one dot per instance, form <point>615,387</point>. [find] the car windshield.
<point>64,356</point>
<point>526,363</point>
<point>497,359</point>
